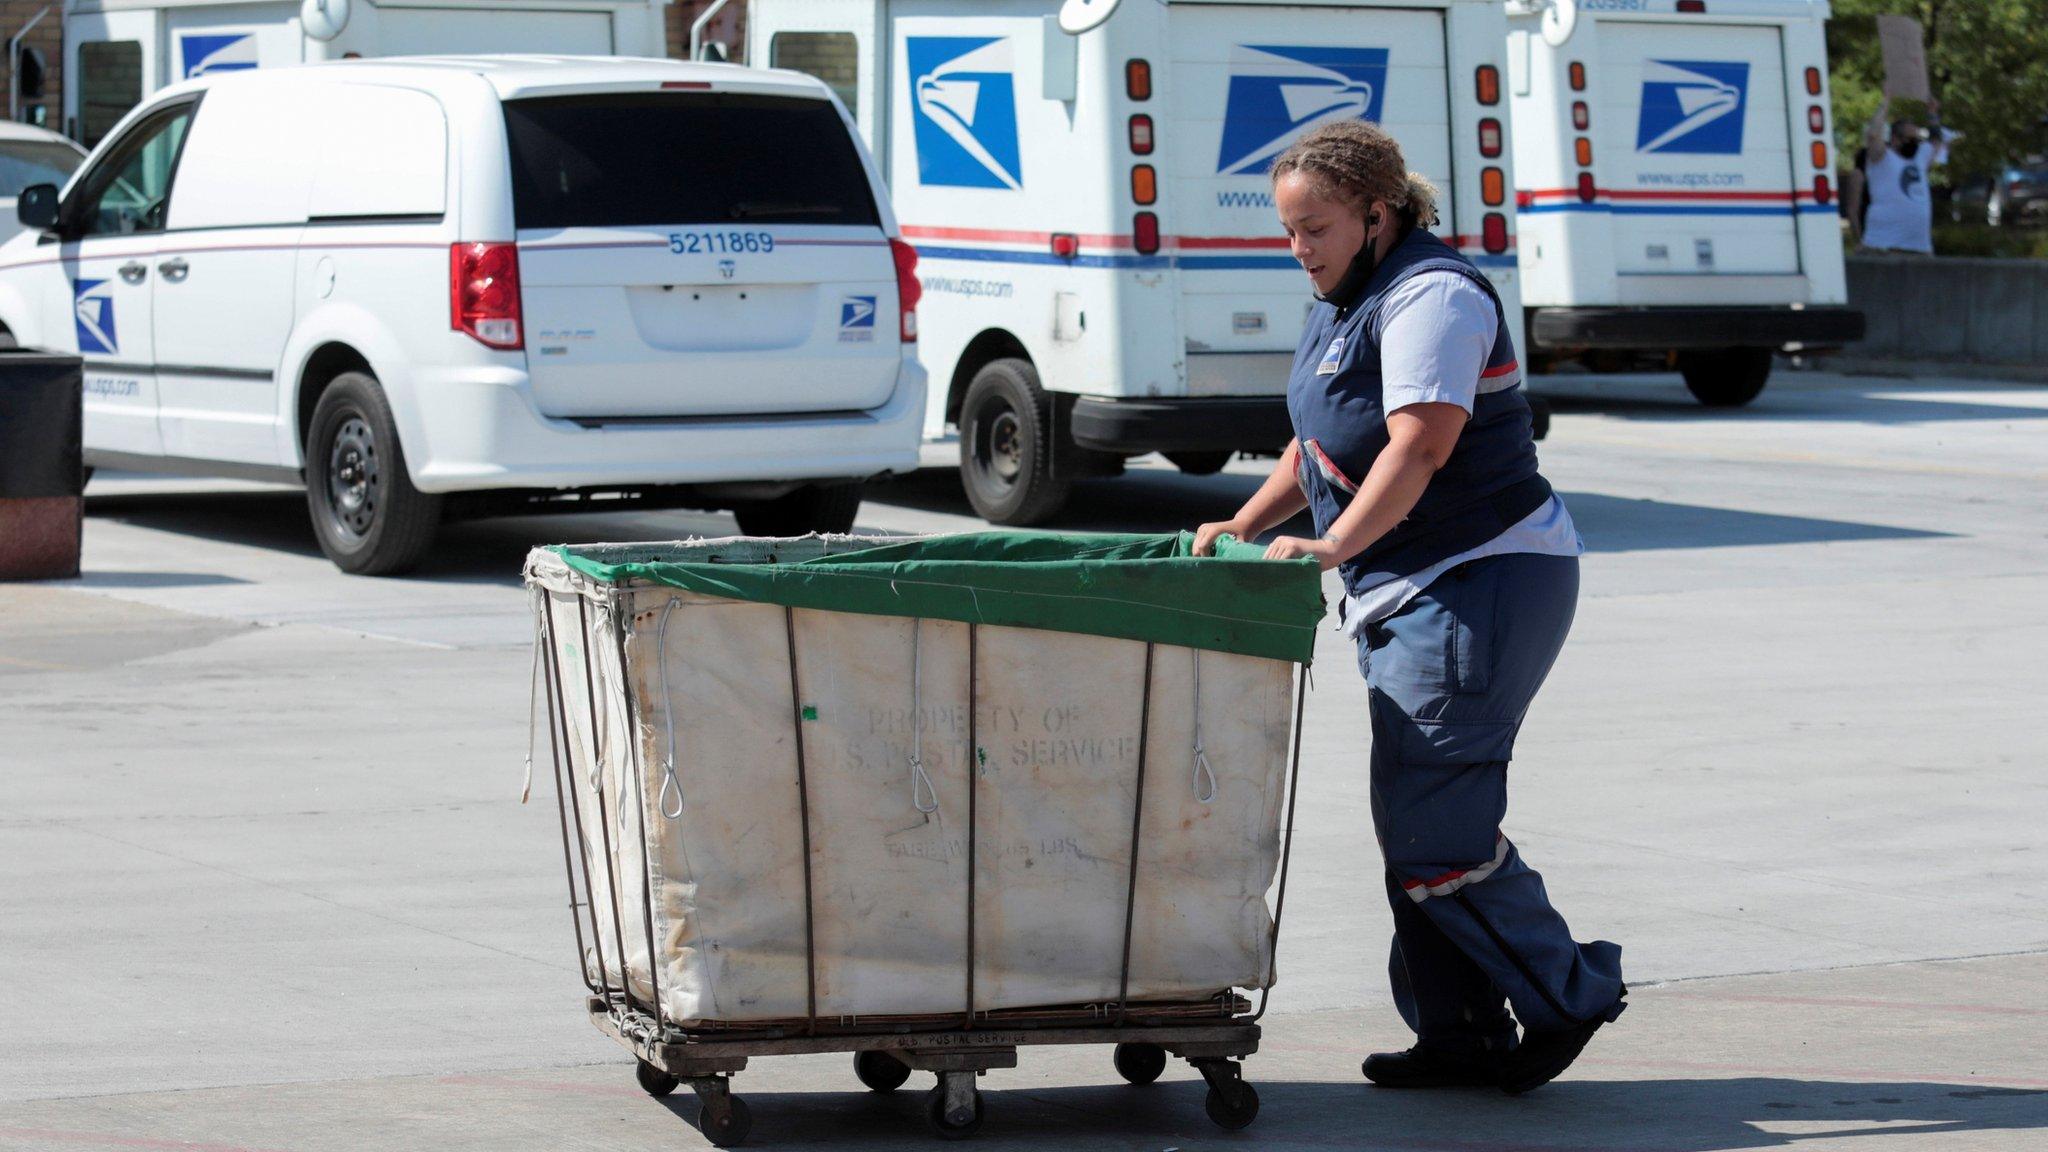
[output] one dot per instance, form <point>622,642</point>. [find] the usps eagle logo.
<point>209,52</point>
<point>1278,93</point>
<point>93,308</point>
<point>964,95</point>
<point>1693,107</point>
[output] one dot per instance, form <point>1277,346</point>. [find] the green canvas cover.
<point>1129,586</point>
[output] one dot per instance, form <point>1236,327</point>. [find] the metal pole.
<point>14,62</point>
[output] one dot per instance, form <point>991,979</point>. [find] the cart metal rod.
<point>544,637</point>
<point>620,615</point>
<point>561,706</point>
<point>604,816</point>
<point>1123,988</point>
<point>973,776</point>
<point>1287,842</point>
<point>803,808</point>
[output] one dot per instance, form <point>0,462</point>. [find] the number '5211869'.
<point>719,243</point>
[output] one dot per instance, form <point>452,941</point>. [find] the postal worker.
<point>1413,453</point>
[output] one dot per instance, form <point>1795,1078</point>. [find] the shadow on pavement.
<point>1705,1115</point>
<point>1145,500</point>
<point>1857,400</point>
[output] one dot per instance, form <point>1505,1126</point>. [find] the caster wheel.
<point>657,1082</point>
<point>1140,1063</point>
<point>950,1127</point>
<point>1235,1110</point>
<point>880,1071</point>
<point>738,1122</point>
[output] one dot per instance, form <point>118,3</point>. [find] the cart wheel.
<point>738,1122</point>
<point>945,1125</point>
<point>880,1071</point>
<point>1235,1109</point>
<point>657,1082</point>
<point>1140,1063</point>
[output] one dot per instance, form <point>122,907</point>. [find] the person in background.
<point>1898,158</point>
<point>1413,453</point>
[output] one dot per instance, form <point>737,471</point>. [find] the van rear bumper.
<point>1775,326</point>
<point>1211,423</point>
<point>484,435</point>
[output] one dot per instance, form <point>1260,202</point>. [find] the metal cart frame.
<point>1213,1035</point>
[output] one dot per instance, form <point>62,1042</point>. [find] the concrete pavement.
<point>266,883</point>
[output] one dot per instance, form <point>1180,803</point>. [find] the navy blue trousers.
<point>1450,678</point>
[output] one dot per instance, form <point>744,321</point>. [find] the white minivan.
<point>466,285</point>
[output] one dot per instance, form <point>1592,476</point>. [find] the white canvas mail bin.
<point>958,777</point>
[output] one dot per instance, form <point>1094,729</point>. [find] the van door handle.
<point>133,271</point>
<point>174,269</point>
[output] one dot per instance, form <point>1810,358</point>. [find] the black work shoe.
<point>1426,1068</point>
<point>1543,1056</point>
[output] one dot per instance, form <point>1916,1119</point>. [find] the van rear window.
<point>683,158</point>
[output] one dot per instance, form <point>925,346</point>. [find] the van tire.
<point>829,508</point>
<point>1725,377</point>
<point>1006,445</point>
<point>371,521</point>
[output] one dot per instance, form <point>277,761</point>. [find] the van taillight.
<point>1141,134</point>
<point>483,293</point>
<point>1138,79</point>
<point>1493,232</point>
<point>1577,75</point>
<point>1823,191</point>
<point>1816,120</point>
<point>1813,81</point>
<point>1587,190</point>
<point>1580,116</point>
<point>1487,82</point>
<point>908,288</point>
<point>1489,137</point>
<point>1493,186</point>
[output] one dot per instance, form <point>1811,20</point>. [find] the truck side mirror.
<point>37,206</point>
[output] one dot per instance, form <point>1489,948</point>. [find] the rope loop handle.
<point>670,799</point>
<point>1202,778</point>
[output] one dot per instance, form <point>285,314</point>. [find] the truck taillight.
<point>1586,189</point>
<point>1145,233</point>
<point>1698,6</point>
<point>1820,154</point>
<point>1486,81</point>
<point>1489,137</point>
<point>483,293</point>
<point>1144,184</point>
<point>1823,191</point>
<point>1141,134</point>
<point>908,290</point>
<point>1493,186</point>
<point>1582,151</point>
<point>1138,79</point>
<point>1816,120</point>
<point>1580,116</point>
<point>1577,73</point>
<point>1493,232</point>
<point>1813,81</point>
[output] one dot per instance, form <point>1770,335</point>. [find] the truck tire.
<point>812,508</point>
<point>1006,444</point>
<point>1725,377</point>
<point>1199,463</point>
<point>369,518</point>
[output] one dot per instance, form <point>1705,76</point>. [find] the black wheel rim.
<point>354,478</point>
<point>998,446</point>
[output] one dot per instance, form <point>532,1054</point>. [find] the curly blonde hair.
<point>1357,163</point>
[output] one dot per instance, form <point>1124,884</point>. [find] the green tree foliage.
<point>1987,62</point>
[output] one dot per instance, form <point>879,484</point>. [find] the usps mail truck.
<point>118,52</point>
<point>1676,198</point>
<point>1087,189</point>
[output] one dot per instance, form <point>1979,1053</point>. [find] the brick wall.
<point>730,27</point>
<point>49,37</point>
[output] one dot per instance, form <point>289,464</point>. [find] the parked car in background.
<point>2014,197</point>
<point>485,284</point>
<point>30,155</point>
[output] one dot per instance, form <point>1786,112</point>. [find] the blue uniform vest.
<point>1490,482</point>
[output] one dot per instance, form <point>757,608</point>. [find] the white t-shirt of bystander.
<point>1901,215</point>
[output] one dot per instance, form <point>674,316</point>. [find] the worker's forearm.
<point>1389,493</point>
<point>1277,499</point>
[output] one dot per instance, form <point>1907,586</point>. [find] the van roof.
<point>517,76</point>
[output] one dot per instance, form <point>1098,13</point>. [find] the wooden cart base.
<point>884,1059</point>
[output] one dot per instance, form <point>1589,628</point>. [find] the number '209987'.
<point>719,243</point>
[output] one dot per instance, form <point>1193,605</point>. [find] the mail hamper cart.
<point>924,800</point>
